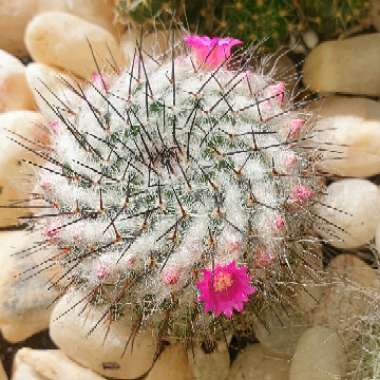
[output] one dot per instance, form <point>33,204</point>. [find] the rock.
<point>14,90</point>
<point>52,37</point>
<point>51,365</point>
<point>346,66</point>
<point>100,12</point>
<point>375,14</point>
<point>282,331</point>
<point>347,299</point>
<point>45,80</point>
<point>16,14</point>
<point>16,181</point>
<point>310,38</point>
<point>349,213</point>
<point>104,356</point>
<point>319,356</point>
<point>254,363</point>
<point>171,364</point>
<point>23,302</point>
<point>349,130</point>
<point>22,371</point>
<point>209,366</point>
<point>377,238</point>
<point>154,44</point>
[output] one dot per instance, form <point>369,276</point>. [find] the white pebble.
<point>348,215</point>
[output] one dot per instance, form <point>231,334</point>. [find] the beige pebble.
<point>16,176</point>
<point>349,214</point>
<point>100,12</point>
<point>280,334</point>
<point>319,356</point>
<point>52,37</point>
<point>347,299</point>
<point>254,363</point>
<point>47,85</point>
<point>16,14</point>
<point>23,301</point>
<point>349,130</point>
<point>14,90</point>
<point>52,365</point>
<point>70,333</point>
<point>209,366</point>
<point>22,371</point>
<point>346,66</point>
<point>171,364</point>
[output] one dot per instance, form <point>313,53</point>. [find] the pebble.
<point>100,12</point>
<point>15,175</point>
<point>377,238</point>
<point>310,38</point>
<point>23,302</point>
<point>14,91</point>
<point>52,37</point>
<point>45,80</point>
<point>351,127</point>
<point>171,364</point>
<point>209,366</point>
<point>104,356</point>
<point>319,356</point>
<point>348,66</point>
<point>349,213</point>
<point>16,14</point>
<point>347,299</point>
<point>282,331</point>
<point>254,363</point>
<point>50,365</point>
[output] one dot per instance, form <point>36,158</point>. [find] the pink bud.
<point>263,258</point>
<point>290,161</point>
<point>301,194</point>
<point>46,185</point>
<point>54,126</point>
<point>277,91</point>
<point>102,272</point>
<point>51,230</point>
<point>100,81</point>
<point>295,127</point>
<point>170,276</point>
<point>131,261</point>
<point>280,223</point>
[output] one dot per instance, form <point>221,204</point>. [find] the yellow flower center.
<point>222,281</point>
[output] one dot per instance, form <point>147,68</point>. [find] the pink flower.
<point>295,127</point>
<point>54,126</point>
<point>301,194</point>
<point>211,52</point>
<point>100,81</point>
<point>51,231</point>
<point>225,289</point>
<point>102,272</point>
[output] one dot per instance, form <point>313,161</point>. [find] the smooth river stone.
<point>254,363</point>
<point>348,215</point>
<point>349,131</point>
<point>14,90</point>
<point>69,331</point>
<point>49,365</point>
<point>17,176</point>
<point>319,356</point>
<point>24,302</point>
<point>62,40</point>
<point>348,66</point>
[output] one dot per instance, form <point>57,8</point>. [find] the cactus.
<point>182,191</point>
<point>252,20</point>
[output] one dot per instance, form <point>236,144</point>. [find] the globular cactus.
<point>274,21</point>
<point>182,190</point>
